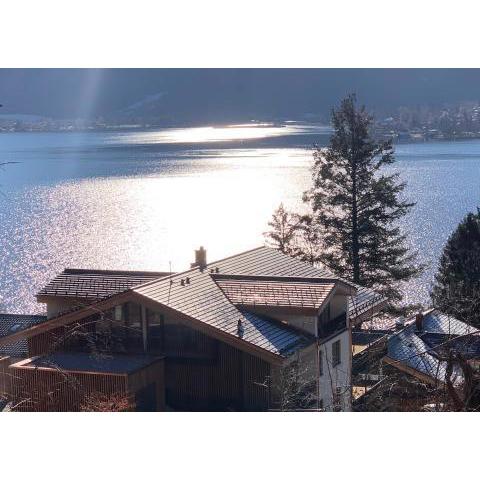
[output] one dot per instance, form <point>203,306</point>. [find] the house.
<point>406,368</point>
<point>256,331</point>
<point>421,348</point>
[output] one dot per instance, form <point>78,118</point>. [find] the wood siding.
<point>235,380</point>
<point>201,373</point>
<point>49,390</point>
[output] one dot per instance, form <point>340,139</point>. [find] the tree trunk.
<point>355,247</point>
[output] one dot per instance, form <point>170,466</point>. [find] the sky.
<point>218,95</point>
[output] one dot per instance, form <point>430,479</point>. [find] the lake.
<point>145,200</point>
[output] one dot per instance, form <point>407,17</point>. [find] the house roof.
<point>417,350</point>
<point>85,362</point>
<point>300,293</point>
<point>202,299</point>
<point>12,323</point>
<point>96,284</point>
<point>364,301</point>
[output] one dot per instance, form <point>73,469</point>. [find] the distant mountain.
<point>224,95</point>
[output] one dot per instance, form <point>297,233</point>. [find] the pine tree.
<point>307,241</point>
<point>284,228</point>
<point>457,284</point>
<point>357,207</point>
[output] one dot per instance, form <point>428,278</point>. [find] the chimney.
<point>419,321</point>
<point>200,259</point>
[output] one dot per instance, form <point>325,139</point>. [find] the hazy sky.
<point>223,94</point>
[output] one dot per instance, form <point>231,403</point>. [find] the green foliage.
<point>457,284</point>
<point>357,207</point>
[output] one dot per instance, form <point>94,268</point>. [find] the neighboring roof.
<point>309,293</point>
<point>96,284</point>
<point>85,362</point>
<point>438,322</point>
<point>364,301</point>
<point>415,349</point>
<point>408,349</point>
<point>11,323</point>
<point>442,343</point>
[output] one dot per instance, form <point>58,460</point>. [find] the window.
<point>155,323</point>
<point>336,353</point>
<point>133,328</point>
<point>320,363</point>
<point>120,329</point>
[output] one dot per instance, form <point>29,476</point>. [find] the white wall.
<point>338,376</point>
<point>56,305</point>
<point>302,322</point>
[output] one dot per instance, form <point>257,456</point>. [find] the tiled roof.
<point>363,301</point>
<point>442,343</point>
<point>203,300</point>
<point>196,294</point>
<point>416,350</point>
<point>275,291</point>
<point>268,261</point>
<point>11,323</point>
<point>96,284</point>
<point>437,322</point>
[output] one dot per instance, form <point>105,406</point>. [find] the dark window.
<point>120,329</point>
<point>320,362</point>
<point>336,353</point>
<point>323,320</point>
<point>133,328</point>
<point>155,336</point>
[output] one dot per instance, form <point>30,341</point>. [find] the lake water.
<point>145,200</point>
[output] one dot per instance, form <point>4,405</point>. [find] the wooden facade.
<point>233,380</point>
<point>201,373</point>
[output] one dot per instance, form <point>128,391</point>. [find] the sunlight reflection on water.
<point>130,208</point>
<point>210,134</point>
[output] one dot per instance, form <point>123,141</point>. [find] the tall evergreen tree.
<point>457,284</point>
<point>357,207</point>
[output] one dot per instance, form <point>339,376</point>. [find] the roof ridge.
<point>175,275</point>
<point>274,278</point>
<point>113,272</point>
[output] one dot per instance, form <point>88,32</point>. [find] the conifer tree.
<point>284,227</point>
<point>457,284</point>
<point>357,206</point>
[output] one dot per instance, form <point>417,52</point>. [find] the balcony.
<point>329,328</point>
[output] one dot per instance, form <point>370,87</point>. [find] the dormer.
<point>312,305</point>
